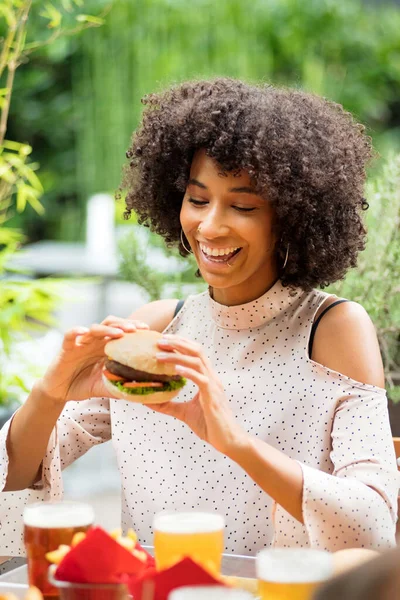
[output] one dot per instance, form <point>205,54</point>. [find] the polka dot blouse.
<point>335,427</point>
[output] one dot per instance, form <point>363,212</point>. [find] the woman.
<point>284,428</point>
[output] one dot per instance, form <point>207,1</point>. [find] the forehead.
<point>206,170</point>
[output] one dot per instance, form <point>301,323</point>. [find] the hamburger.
<point>132,371</point>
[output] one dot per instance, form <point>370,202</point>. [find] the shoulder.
<point>345,341</point>
<point>157,314</point>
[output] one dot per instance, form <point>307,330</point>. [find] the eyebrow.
<point>237,190</point>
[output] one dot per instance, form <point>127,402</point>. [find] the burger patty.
<point>134,375</point>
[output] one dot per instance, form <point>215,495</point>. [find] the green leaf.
<point>53,15</point>
<point>22,149</point>
<point>9,15</point>
<point>67,5</point>
<point>90,19</point>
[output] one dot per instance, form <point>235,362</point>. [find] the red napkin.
<point>100,559</point>
<point>156,585</point>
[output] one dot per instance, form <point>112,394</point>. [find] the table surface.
<point>14,570</point>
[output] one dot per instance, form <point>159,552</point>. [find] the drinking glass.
<point>198,535</point>
<point>291,573</point>
<point>46,526</point>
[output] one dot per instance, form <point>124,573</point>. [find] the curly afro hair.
<point>303,153</point>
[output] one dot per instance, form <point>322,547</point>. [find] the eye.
<point>244,209</point>
<point>197,202</point>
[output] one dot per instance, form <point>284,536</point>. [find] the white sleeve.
<point>356,504</point>
<point>80,426</point>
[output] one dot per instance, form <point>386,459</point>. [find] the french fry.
<point>33,593</point>
<point>126,542</point>
<point>78,537</point>
<point>116,533</point>
<point>131,534</point>
<point>56,556</point>
<point>139,554</point>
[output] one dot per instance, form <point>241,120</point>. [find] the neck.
<point>236,295</point>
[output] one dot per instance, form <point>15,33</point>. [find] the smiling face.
<point>230,230</point>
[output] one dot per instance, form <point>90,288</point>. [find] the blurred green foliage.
<point>79,99</point>
<point>176,282</point>
<point>25,304</point>
<point>375,283</point>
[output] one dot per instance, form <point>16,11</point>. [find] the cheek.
<point>260,236</point>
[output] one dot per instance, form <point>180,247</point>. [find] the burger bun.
<point>138,350</point>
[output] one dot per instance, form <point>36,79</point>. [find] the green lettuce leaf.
<point>145,391</point>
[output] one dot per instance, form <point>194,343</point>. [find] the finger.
<point>172,342</point>
<point>125,324</point>
<point>101,331</point>
<point>73,333</point>
<point>201,380</point>
<point>174,358</point>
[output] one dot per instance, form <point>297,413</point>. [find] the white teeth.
<point>217,251</point>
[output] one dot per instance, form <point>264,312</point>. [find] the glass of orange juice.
<point>198,535</point>
<point>291,573</point>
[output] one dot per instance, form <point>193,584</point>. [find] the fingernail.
<point>179,369</point>
<point>163,342</point>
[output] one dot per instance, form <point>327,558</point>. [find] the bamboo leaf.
<point>8,15</point>
<point>67,5</point>
<point>90,19</point>
<point>22,197</point>
<point>53,15</point>
<point>23,149</point>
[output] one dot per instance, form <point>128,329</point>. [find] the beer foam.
<point>188,522</point>
<point>205,592</point>
<point>293,565</point>
<point>49,515</point>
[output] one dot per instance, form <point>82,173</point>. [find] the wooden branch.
<point>7,101</point>
<point>12,65</point>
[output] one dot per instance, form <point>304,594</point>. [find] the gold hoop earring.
<point>183,244</point>
<point>286,257</point>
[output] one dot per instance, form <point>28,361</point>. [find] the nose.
<point>214,224</point>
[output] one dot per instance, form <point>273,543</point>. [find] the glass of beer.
<point>197,535</point>
<point>209,592</point>
<point>291,573</point>
<point>46,526</point>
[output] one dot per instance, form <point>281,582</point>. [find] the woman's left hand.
<point>208,414</point>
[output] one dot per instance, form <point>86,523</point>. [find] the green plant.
<point>341,49</point>
<point>25,304</point>
<point>140,250</point>
<point>376,281</point>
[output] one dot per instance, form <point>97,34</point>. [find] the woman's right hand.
<point>75,374</point>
